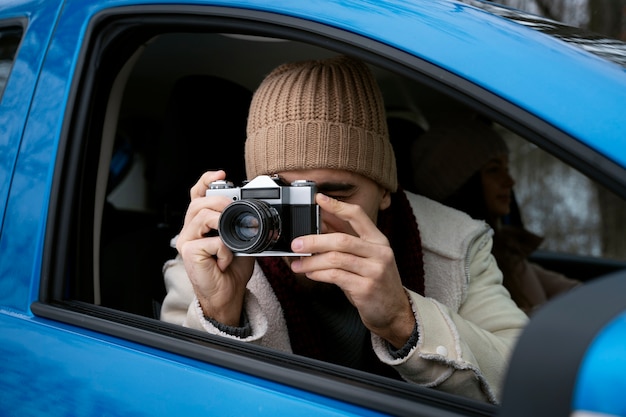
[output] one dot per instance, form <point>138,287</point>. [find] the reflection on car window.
<point>598,44</point>
<point>9,41</point>
<point>573,213</point>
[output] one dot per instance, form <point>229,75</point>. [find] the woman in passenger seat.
<point>465,165</point>
<point>379,294</point>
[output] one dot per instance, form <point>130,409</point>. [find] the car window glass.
<point>574,214</point>
<point>9,41</point>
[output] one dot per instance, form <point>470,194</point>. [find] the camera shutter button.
<point>302,183</point>
<point>220,184</point>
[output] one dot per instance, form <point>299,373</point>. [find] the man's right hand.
<point>218,277</point>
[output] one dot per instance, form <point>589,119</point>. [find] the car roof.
<point>536,71</point>
<point>575,91</point>
<point>610,49</point>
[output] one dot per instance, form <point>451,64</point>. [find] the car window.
<point>168,101</point>
<point>9,42</point>
<point>575,214</point>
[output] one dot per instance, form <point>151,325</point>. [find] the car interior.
<point>164,102</point>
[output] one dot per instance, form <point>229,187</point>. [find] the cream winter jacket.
<point>467,322</point>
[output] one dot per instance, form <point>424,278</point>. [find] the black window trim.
<point>331,381</point>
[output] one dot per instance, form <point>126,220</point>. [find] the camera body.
<point>266,215</point>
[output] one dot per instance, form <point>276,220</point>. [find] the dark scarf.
<point>399,225</point>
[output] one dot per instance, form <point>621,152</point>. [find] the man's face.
<point>344,186</point>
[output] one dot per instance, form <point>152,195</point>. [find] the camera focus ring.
<point>249,226</point>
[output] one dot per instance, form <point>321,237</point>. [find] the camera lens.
<point>249,226</point>
<point>246,226</point>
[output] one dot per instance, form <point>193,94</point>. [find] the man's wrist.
<point>402,329</point>
<point>408,346</point>
<point>242,331</point>
<point>227,316</point>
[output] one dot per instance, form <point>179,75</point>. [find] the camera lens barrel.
<point>249,226</point>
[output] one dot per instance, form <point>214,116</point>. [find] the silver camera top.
<point>220,185</point>
<point>266,215</point>
<point>267,188</point>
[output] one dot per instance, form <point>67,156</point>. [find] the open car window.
<point>162,98</point>
<point>577,217</point>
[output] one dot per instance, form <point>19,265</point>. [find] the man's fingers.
<point>210,249</point>
<point>330,260</point>
<point>199,224</point>
<point>365,260</point>
<point>353,214</point>
<point>199,189</point>
<point>340,242</point>
<point>213,203</point>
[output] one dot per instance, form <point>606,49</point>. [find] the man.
<point>378,293</point>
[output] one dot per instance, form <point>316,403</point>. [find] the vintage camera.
<point>266,215</point>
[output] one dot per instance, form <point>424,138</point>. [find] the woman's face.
<point>497,185</point>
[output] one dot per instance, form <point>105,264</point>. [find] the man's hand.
<point>219,279</point>
<point>363,266</point>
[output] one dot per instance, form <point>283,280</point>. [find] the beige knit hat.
<point>445,157</point>
<point>320,114</point>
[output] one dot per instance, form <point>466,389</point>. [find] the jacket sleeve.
<point>179,292</point>
<point>266,322</point>
<point>466,351</point>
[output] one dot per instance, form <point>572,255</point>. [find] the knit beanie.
<point>446,157</point>
<point>320,114</point>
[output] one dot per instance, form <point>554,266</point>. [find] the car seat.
<point>204,128</point>
<point>402,134</point>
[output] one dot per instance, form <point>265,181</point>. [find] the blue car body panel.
<point>25,171</point>
<point>40,18</point>
<point>63,369</point>
<point>93,375</point>
<point>601,384</point>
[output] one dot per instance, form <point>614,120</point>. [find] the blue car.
<point>111,109</point>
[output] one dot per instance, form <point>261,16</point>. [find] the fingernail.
<point>295,265</point>
<point>297,244</point>
<point>324,197</point>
